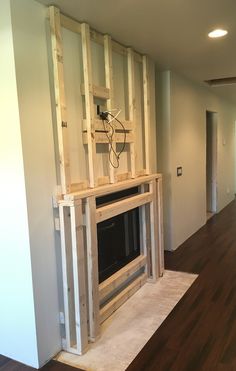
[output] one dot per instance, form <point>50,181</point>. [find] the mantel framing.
<point>84,310</point>
<point>93,132</point>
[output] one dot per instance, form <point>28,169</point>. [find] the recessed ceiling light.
<point>217,33</point>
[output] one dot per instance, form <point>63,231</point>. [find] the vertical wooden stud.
<point>131,100</point>
<point>78,262</point>
<point>110,101</point>
<point>64,242</point>
<point>154,233</point>
<point>89,109</point>
<point>146,105</point>
<point>160,226</point>
<point>92,263</point>
<point>143,227</point>
<point>59,89</point>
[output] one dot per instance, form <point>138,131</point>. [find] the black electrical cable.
<point>117,156</point>
<point>110,141</point>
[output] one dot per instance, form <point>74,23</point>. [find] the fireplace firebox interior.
<point>118,237</point>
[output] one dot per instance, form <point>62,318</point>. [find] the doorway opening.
<point>211,163</point>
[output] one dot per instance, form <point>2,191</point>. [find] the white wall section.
<point>17,316</point>
<point>182,142</point>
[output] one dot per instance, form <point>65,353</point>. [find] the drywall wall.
<point>183,124</point>
<point>31,59</point>
<point>17,316</point>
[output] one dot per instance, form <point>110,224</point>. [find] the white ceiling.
<point>172,32</point>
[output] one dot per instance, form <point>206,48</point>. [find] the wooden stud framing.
<point>124,183</point>
<point>97,91</point>
<point>79,277</point>
<point>64,242</point>
<point>154,233</point>
<point>119,207</point>
<point>131,100</point>
<point>121,298</point>
<point>92,263</point>
<point>130,277</point>
<point>110,101</point>
<point>86,50</point>
<point>98,125</point>
<point>101,137</point>
<point>59,89</point>
<point>146,103</point>
<point>114,281</point>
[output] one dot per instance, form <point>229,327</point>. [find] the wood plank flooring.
<point>6,364</point>
<point>200,332</point>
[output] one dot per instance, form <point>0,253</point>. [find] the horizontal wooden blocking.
<point>101,137</point>
<point>70,24</point>
<point>97,91</point>
<point>119,207</point>
<point>114,281</point>
<point>99,126</point>
<point>121,298</point>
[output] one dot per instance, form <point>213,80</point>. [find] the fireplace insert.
<point>118,237</point>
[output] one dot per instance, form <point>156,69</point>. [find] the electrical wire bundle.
<point>110,131</point>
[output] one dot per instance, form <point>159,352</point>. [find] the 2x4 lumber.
<point>103,180</point>
<point>110,101</point>
<point>70,24</point>
<point>99,126</point>
<point>118,278</point>
<point>97,91</point>
<point>101,137</point>
<point>160,226</point>
<point>146,104</point>
<point>59,90</point>
<point>154,233</point>
<point>121,298</point>
<point>64,244</point>
<point>79,186</point>
<point>119,207</point>
<point>106,189</point>
<point>131,101</point>
<point>89,109</point>
<point>78,261</point>
<point>92,268</point>
<point>143,227</point>
<point>123,176</point>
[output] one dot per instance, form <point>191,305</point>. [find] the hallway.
<point>200,333</point>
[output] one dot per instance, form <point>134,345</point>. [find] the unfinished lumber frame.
<point>75,306</point>
<point>93,131</point>
<point>104,298</point>
<point>60,101</point>
<point>131,103</point>
<point>146,104</point>
<point>110,101</point>
<point>88,91</point>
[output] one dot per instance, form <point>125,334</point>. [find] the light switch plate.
<point>179,171</point>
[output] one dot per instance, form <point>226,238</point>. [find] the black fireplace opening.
<point>118,237</point>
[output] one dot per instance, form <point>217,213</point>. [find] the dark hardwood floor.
<point>200,332</point>
<point>7,364</point>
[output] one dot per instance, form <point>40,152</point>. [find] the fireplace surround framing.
<point>87,304</point>
<point>83,295</point>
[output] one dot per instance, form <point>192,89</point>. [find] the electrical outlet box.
<point>179,171</point>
